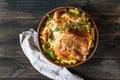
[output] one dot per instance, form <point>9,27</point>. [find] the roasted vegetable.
<point>93,33</point>
<point>65,61</point>
<point>74,11</point>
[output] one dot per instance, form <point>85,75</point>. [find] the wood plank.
<point>12,68</point>
<point>96,69</point>
<point>17,16</point>
<point>25,79</point>
<point>30,9</point>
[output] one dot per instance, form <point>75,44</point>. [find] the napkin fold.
<point>29,45</point>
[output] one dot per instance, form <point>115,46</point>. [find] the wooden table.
<point>17,16</point>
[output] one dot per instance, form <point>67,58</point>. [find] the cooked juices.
<point>67,36</point>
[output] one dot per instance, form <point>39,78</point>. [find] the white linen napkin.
<point>29,45</point>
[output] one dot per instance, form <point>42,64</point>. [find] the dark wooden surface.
<point>17,16</point>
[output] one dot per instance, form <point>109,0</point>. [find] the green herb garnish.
<point>46,51</point>
<point>77,24</point>
<point>50,16</point>
<point>50,54</point>
<point>52,36</point>
<point>56,29</point>
<point>43,24</point>
<point>66,25</point>
<point>47,45</point>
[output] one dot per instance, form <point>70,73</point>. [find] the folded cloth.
<point>29,45</point>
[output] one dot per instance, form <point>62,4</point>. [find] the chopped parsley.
<point>50,54</point>
<point>52,36</point>
<point>50,16</point>
<point>47,44</point>
<point>77,24</point>
<point>56,29</point>
<point>66,25</point>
